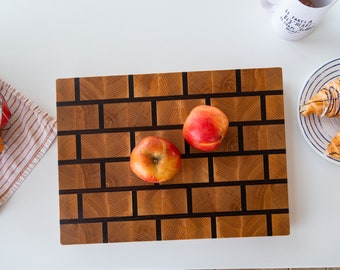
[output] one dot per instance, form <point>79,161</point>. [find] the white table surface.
<point>41,41</point>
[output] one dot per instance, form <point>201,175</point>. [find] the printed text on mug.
<point>295,25</point>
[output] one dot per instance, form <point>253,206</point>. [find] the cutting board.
<point>239,190</point>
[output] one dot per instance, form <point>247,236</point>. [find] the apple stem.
<point>155,160</point>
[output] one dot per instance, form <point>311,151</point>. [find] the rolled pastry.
<point>333,148</point>
<point>326,102</point>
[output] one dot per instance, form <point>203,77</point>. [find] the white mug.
<point>296,19</point>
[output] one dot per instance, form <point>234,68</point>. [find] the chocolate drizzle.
<point>325,103</point>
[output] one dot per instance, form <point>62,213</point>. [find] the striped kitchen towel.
<point>31,133</point>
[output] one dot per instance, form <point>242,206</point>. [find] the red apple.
<point>155,159</point>
<point>5,114</point>
<point>205,127</point>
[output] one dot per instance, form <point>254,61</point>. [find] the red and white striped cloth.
<point>31,133</point>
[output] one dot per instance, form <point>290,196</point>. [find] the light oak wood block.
<point>238,190</point>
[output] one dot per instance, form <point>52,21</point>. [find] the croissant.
<point>326,102</point>
<point>333,148</point>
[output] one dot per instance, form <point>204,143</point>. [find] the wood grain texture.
<point>105,145</point>
<point>186,228</point>
<point>79,117</point>
<point>107,204</point>
<point>79,176</point>
<point>152,85</point>
<point>239,190</point>
<point>100,88</point>
<point>238,168</point>
<point>242,226</point>
<point>216,199</point>
<point>231,107</point>
<point>203,82</point>
<point>136,114</point>
<point>138,230</point>
<point>87,233</point>
<point>163,201</point>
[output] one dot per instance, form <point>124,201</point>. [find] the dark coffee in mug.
<point>307,3</point>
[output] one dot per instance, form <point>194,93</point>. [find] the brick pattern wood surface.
<point>239,190</point>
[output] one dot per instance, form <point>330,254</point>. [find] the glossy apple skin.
<point>155,159</point>
<point>6,114</point>
<point>205,127</point>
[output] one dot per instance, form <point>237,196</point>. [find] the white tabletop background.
<point>41,41</point>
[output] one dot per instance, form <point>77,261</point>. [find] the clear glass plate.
<point>318,131</point>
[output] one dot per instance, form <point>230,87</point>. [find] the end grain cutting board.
<point>239,190</point>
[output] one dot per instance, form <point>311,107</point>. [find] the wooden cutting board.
<point>240,190</point>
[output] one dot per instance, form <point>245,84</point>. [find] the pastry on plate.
<point>333,148</point>
<point>326,102</point>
